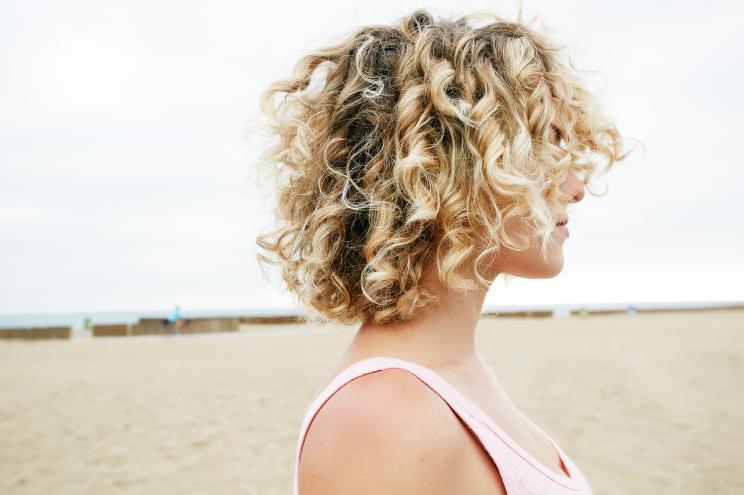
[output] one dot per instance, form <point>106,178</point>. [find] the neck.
<point>440,335</point>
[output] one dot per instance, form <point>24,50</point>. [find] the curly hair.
<point>417,139</point>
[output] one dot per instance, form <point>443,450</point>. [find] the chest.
<point>492,400</point>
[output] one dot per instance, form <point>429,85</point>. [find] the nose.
<point>573,186</point>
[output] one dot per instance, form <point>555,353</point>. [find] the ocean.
<point>76,319</point>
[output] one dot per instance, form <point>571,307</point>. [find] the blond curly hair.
<point>417,139</point>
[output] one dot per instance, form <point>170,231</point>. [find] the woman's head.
<point>532,262</point>
<point>430,141</point>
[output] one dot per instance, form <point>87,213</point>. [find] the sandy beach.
<point>645,404</point>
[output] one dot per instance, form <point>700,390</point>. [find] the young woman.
<point>417,162</point>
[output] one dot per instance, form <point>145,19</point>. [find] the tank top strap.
<point>516,474</point>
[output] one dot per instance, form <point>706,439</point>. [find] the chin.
<point>541,270</point>
<point>547,273</point>
<point>529,264</point>
<point>554,269</point>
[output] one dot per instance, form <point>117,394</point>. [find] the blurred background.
<point>129,207</point>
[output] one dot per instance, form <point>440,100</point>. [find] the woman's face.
<point>529,263</point>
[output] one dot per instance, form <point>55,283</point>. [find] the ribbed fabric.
<point>520,472</point>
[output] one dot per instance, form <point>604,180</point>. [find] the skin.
<point>424,448</point>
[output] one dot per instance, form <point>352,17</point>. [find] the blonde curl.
<point>414,140</point>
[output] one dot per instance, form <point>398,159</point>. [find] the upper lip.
<point>562,221</point>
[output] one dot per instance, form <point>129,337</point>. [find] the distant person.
<point>419,161</point>
<point>175,320</point>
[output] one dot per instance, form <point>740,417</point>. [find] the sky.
<point>126,183</point>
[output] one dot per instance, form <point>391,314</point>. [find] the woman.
<point>416,162</point>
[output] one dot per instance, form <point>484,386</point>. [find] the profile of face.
<point>529,263</point>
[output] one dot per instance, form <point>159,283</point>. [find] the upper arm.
<point>384,432</point>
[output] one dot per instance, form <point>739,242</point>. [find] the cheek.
<point>527,263</point>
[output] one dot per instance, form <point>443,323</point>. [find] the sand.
<point>651,403</point>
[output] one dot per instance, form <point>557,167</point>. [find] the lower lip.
<point>562,228</point>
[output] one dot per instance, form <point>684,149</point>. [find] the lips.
<point>561,222</point>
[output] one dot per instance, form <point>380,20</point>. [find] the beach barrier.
<point>210,325</point>
<point>520,314</point>
<point>161,326</point>
<point>733,307</point>
<point>35,333</point>
<point>599,312</point>
<point>272,319</point>
<point>150,326</point>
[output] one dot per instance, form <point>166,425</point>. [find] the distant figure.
<point>87,324</point>
<point>176,320</point>
<point>631,310</point>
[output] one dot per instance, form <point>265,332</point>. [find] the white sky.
<point>124,184</point>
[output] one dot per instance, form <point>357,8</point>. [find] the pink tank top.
<point>520,472</point>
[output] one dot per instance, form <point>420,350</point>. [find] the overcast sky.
<point>124,183</point>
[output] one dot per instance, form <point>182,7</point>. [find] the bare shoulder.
<point>386,432</point>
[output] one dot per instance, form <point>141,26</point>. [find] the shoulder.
<point>383,432</point>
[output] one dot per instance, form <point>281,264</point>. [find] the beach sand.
<point>652,403</point>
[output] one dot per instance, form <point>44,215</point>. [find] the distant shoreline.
<point>74,320</point>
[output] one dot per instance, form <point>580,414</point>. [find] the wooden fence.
<point>34,333</point>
